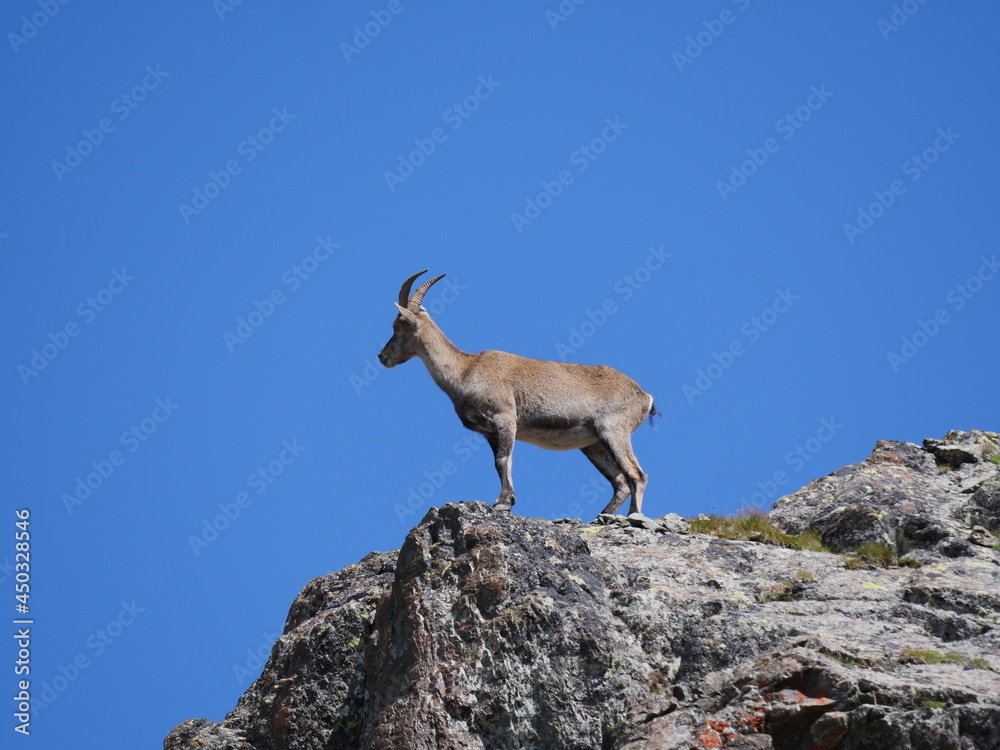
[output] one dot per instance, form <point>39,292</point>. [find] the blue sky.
<point>778,220</point>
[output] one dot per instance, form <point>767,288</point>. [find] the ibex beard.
<point>556,405</point>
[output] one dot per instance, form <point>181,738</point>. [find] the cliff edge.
<point>489,630</point>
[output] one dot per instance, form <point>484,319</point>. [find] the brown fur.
<point>554,405</point>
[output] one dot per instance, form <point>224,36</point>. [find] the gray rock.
<point>986,504</point>
<point>644,522</point>
<point>982,537</point>
<point>957,448</point>
<point>674,523</point>
<point>491,631</point>
<point>610,519</point>
<point>671,522</point>
<point>903,495</point>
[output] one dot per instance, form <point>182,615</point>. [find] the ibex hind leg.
<point>606,464</point>
<point>619,446</point>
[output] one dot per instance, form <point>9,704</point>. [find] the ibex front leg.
<point>501,440</point>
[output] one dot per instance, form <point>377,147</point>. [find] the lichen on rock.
<point>491,631</point>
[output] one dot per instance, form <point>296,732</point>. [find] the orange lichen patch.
<point>709,738</point>
<point>753,721</point>
<point>791,696</point>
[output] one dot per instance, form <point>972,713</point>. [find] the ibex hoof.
<point>502,505</point>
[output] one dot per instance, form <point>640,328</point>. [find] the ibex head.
<point>406,326</point>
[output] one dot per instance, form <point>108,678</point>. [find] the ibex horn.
<point>404,291</point>
<point>418,296</point>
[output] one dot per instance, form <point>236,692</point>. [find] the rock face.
<point>487,630</point>
<point>906,496</point>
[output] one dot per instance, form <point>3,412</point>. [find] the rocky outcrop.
<point>904,496</point>
<point>487,630</point>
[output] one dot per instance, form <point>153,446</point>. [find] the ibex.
<point>555,405</point>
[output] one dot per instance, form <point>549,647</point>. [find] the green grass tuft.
<point>930,656</point>
<point>928,703</point>
<point>874,555</point>
<point>757,527</point>
<point>920,656</point>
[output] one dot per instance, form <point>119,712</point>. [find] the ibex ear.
<point>410,317</point>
